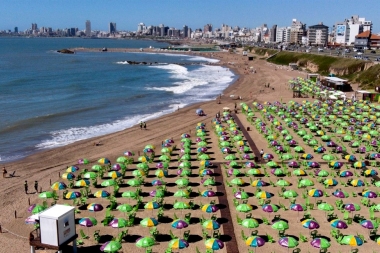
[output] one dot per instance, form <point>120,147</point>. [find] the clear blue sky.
<point>176,13</point>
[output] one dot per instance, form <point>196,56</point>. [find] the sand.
<point>45,166</point>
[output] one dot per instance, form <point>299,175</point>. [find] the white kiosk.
<point>57,228</point>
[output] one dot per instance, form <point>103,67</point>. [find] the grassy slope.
<point>367,78</point>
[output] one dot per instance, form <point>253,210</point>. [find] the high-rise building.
<point>112,27</point>
<point>207,28</point>
<point>16,30</point>
<point>185,31</point>
<point>283,34</point>
<point>34,27</point>
<point>88,28</point>
<point>273,33</point>
<point>345,32</point>
<point>317,35</point>
<point>162,30</point>
<point>298,29</point>
<point>140,27</point>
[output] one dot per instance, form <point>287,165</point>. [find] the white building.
<point>283,34</point>
<point>345,32</point>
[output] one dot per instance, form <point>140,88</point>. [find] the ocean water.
<point>49,99</point>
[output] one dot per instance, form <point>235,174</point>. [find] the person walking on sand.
<point>26,187</point>
<point>4,172</point>
<point>144,125</point>
<point>261,153</point>
<point>141,124</point>
<point>36,186</point>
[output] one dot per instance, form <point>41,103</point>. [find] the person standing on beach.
<point>144,125</point>
<point>36,186</point>
<point>26,187</point>
<point>4,172</point>
<point>141,124</point>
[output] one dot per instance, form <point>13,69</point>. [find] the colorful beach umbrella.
<point>320,243</point>
<point>111,246</point>
<point>288,242</point>
<point>179,224</point>
<point>352,240</point>
<point>254,241</point>
<point>58,186</point>
<point>145,242</point>
<point>211,225</point>
<point>214,244</point>
<point>178,244</point>
<point>149,222</point>
<point>336,223</point>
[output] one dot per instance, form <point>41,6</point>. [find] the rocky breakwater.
<point>65,51</point>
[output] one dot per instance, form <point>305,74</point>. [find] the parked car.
<point>347,50</point>
<point>373,52</point>
<point>377,59</point>
<point>320,49</point>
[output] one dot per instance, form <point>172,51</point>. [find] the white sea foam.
<point>67,136</point>
<point>212,77</point>
<point>122,62</point>
<point>199,84</point>
<point>189,57</point>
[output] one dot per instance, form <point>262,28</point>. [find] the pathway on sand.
<point>228,227</point>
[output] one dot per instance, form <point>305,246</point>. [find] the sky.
<point>176,13</point>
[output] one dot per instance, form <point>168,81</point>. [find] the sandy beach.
<point>46,166</point>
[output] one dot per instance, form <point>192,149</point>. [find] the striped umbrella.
<point>58,186</point>
<point>211,225</point>
<point>178,244</point>
<point>214,244</point>
<point>149,222</point>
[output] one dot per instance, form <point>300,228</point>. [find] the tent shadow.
<point>131,238</point>
<point>225,238</point>
<point>165,219</point>
<point>163,238</point>
<point>222,220</point>
<point>194,238</point>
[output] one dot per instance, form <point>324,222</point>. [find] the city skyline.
<point>195,14</point>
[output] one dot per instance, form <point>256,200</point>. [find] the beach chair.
<point>277,217</point>
<point>197,250</point>
<point>83,235</point>
<point>239,220</point>
<point>303,238</point>
<point>314,233</point>
<point>97,236</point>
<point>236,202</point>
<point>204,234</point>
<point>270,238</point>
<point>296,250</point>
<point>215,234</point>
<point>172,235</point>
<point>168,250</point>
<point>281,233</point>
<point>266,221</point>
<point>214,217</point>
<point>254,232</point>
<point>243,236</point>
<point>186,235</point>
<point>346,215</point>
<point>188,217</point>
<point>248,215</point>
<point>148,250</point>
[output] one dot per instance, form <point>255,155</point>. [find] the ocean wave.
<point>188,57</point>
<point>122,62</point>
<point>36,121</point>
<point>67,136</point>
<point>209,76</point>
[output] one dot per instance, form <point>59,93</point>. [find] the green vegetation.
<point>370,77</point>
<point>350,69</point>
<point>263,51</point>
